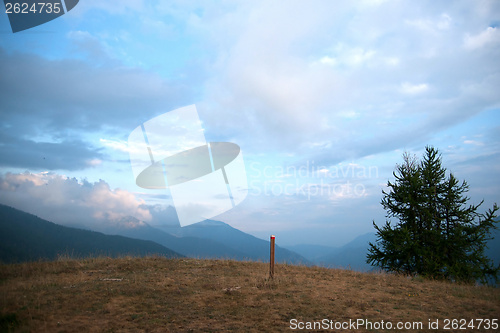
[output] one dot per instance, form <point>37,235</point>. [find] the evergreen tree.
<point>437,234</point>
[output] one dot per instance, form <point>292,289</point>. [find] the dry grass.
<point>182,295</point>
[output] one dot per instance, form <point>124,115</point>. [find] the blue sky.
<point>323,97</point>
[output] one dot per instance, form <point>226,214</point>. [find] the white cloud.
<point>486,37</point>
<point>158,27</point>
<point>474,142</point>
<point>120,145</point>
<point>349,114</point>
<point>326,60</point>
<point>94,162</point>
<point>292,86</point>
<point>346,56</point>
<point>432,26</point>
<point>414,89</point>
<point>392,61</point>
<point>444,22</point>
<point>68,201</point>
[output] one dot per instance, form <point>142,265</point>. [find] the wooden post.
<point>271,260</point>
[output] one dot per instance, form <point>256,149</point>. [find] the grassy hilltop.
<point>180,295</point>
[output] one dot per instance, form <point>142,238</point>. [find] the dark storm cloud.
<point>66,155</point>
<point>50,108</point>
<point>37,94</point>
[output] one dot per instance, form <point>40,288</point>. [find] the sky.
<point>323,98</point>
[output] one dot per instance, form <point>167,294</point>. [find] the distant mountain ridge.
<point>26,237</point>
<point>353,254</point>
<point>254,248</point>
<point>188,246</point>
<point>208,239</point>
<point>350,256</point>
<point>31,238</point>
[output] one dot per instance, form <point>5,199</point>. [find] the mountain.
<point>311,251</point>
<point>493,250</point>
<point>254,248</point>
<point>26,237</point>
<point>353,254</point>
<point>189,246</point>
<point>207,239</point>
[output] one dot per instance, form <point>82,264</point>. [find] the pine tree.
<point>436,234</point>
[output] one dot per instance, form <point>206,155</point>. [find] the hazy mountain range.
<point>25,237</point>
<point>353,254</point>
<point>207,239</point>
<point>350,256</point>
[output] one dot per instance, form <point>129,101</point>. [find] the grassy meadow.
<point>155,294</point>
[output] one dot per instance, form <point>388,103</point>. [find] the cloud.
<point>93,48</point>
<point>33,155</point>
<point>68,201</point>
<point>413,89</point>
<point>158,27</point>
<point>487,37</point>
<point>401,69</point>
<point>268,83</point>
<point>431,26</point>
<point>120,145</point>
<point>348,57</point>
<point>51,108</point>
<point>70,96</point>
<point>474,142</point>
